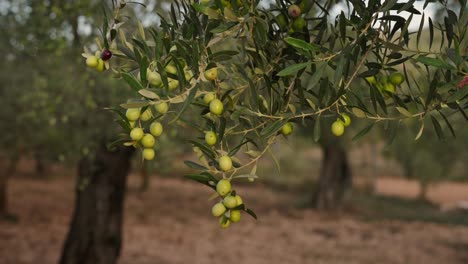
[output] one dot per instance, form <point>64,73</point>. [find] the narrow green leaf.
<point>148,94</point>
<point>292,69</point>
<point>206,150</point>
<point>403,111</point>
<point>251,213</point>
<point>134,83</point>
<point>448,124</point>
<point>437,127</point>
<point>434,62</point>
<point>363,132</point>
<point>272,128</point>
<point>187,102</point>
<point>300,44</point>
<point>421,129</point>
<point>194,165</point>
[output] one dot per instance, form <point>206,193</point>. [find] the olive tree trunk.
<point>335,178</point>
<point>95,234</point>
<point>4,176</point>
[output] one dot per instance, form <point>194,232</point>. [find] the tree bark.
<point>95,234</point>
<point>145,177</point>
<point>424,186</point>
<point>4,176</point>
<point>335,178</point>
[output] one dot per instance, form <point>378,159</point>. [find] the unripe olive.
<point>347,119</point>
<point>218,209</point>
<point>234,216</point>
<point>396,78</point>
<point>161,107</point>
<point>216,107</point>
<point>230,201</point>
<point>146,115</point>
<point>148,141</point>
<point>210,138</point>
<point>337,128</point>
<point>92,61</point>
<point>148,154</point>
<point>287,129</point>
<point>211,74</point>
<point>136,133</point>
<point>133,114</point>
<point>223,187</point>
<point>225,163</point>
<point>156,129</point>
<point>224,222</point>
<point>209,97</point>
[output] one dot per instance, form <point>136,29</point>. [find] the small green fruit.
<point>146,115</point>
<point>287,129</point>
<point>218,209</point>
<point>230,201</point>
<point>209,97</point>
<point>396,78</point>
<point>282,22</point>
<point>133,114</point>
<point>100,66</point>
<point>223,187</point>
<point>347,119</point>
<point>371,80</point>
<point>173,84</point>
<point>234,216</point>
<point>226,3</point>
<point>239,200</point>
<point>156,129</point>
<point>211,74</point>
<point>210,138</point>
<point>171,69</point>
<point>298,24</point>
<point>148,154</point>
<point>188,75</point>
<point>216,107</point>
<point>92,61</point>
<point>294,11</point>
<point>148,141</point>
<point>389,87</point>
<point>161,107</point>
<point>337,128</point>
<point>224,222</point>
<point>154,78</point>
<point>136,133</point>
<point>225,163</point>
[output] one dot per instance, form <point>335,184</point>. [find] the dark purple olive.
<point>106,55</point>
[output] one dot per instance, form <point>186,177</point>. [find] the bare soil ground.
<point>171,223</point>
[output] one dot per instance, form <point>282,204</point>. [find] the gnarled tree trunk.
<point>335,178</point>
<point>95,234</point>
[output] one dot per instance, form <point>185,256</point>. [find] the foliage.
<point>52,106</point>
<point>268,69</point>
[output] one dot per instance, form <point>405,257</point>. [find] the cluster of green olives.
<point>386,83</point>
<point>97,61</point>
<point>338,127</point>
<point>294,21</point>
<point>228,209</point>
<point>141,138</point>
<point>154,77</point>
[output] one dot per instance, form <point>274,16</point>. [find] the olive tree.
<point>243,75</point>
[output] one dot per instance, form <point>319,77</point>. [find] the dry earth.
<point>171,223</point>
